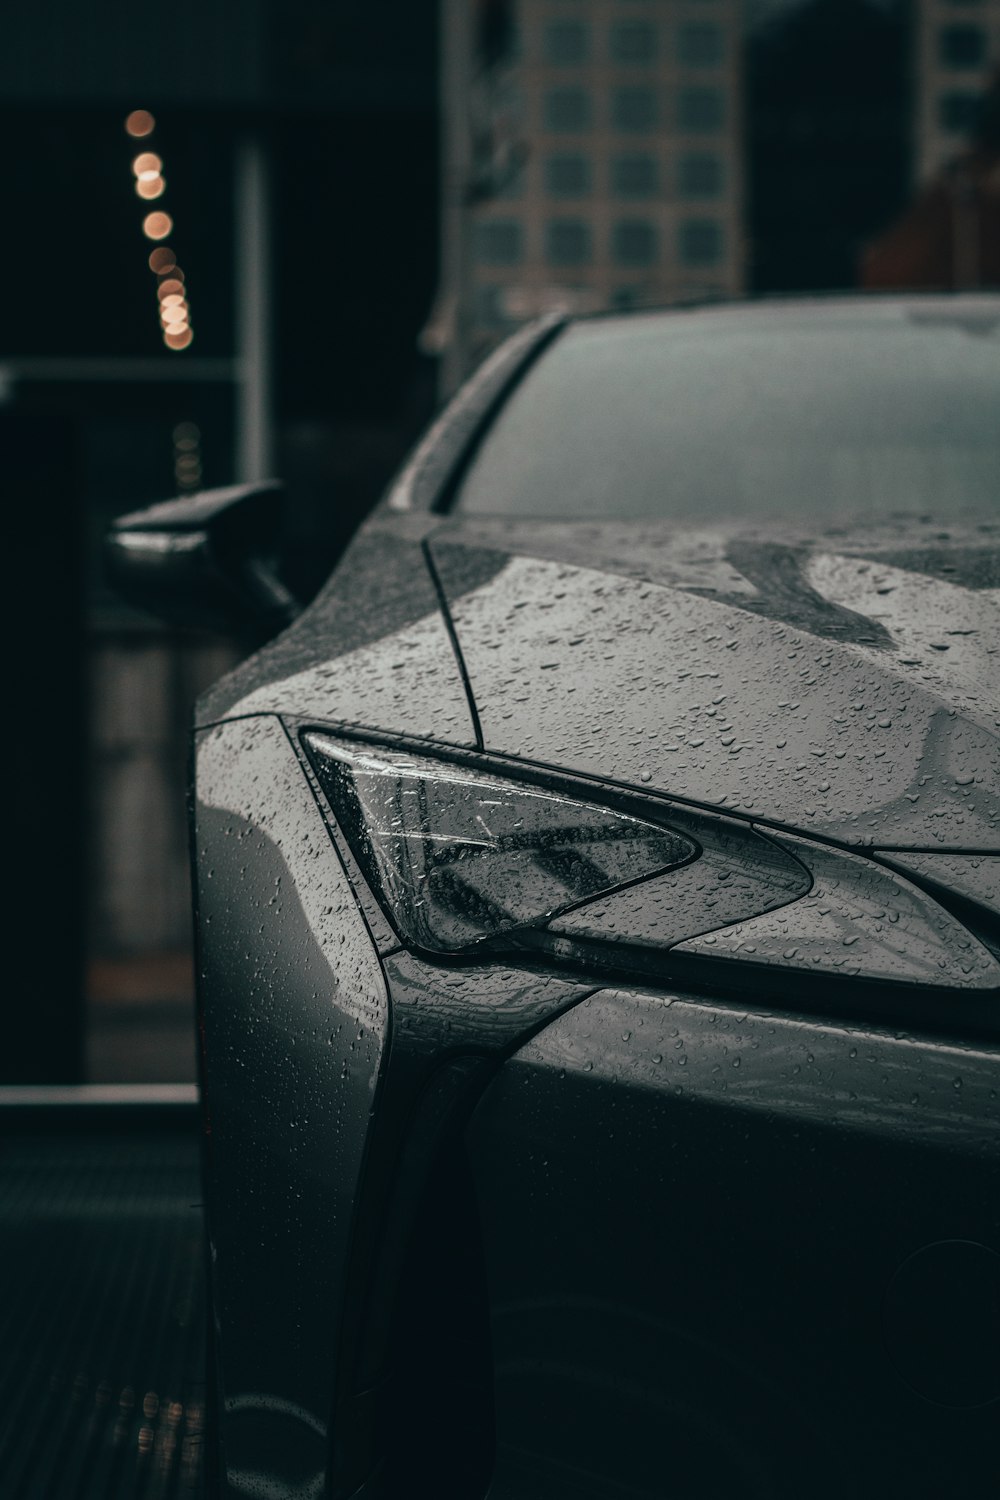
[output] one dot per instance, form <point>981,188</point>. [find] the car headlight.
<point>466,861</point>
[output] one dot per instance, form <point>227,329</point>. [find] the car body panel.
<point>890,738</point>
<point>305,1031</point>
<point>372,649</point>
<point>295,1018</point>
<point>974,878</point>
<point>740,1253</point>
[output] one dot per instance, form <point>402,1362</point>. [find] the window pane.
<point>567,109</point>
<point>701,242</point>
<point>566,42</point>
<point>817,414</point>
<point>700,109</point>
<point>634,176</point>
<point>633,42</point>
<point>491,308</point>
<point>633,242</point>
<point>700,44</point>
<point>499,242</point>
<point>962,46</point>
<point>634,109</point>
<point>699,176</point>
<point>960,112</point>
<point>567,242</point>
<point>567,176</point>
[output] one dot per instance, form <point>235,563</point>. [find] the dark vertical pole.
<point>42,1017</point>
<point>456,66</point>
<point>252,258</point>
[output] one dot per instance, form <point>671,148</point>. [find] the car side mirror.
<point>205,561</point>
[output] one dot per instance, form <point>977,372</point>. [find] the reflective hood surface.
<point>847,684</point>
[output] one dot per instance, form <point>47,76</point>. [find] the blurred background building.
<point>604,154</point>
<point>957,45</point>
<point>622,182</point>
<point>948,233</point>
<point>333,210</point>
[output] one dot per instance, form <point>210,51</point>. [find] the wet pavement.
<point>102,1311</point>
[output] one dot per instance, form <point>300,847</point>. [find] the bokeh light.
<point>187,457</point>
<point>157,225</point>
<point>162,260</point>
<point>147,164</point>
<point>147,170</point>
<point>139,123</point>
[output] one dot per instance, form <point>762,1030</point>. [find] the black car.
<point>598,908</point>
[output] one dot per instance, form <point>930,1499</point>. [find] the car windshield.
<point>798,412</point>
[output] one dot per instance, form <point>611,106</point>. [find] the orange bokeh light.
<point>170,288</point>
<point>139,123</point>
<point>156,226</point>
<point>162,260</point>
<point>178,340</point>
<point>151,187</point>
<point>147,162</point>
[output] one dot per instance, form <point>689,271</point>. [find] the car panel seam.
<point>449,625</point>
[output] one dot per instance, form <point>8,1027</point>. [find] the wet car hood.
<point>846,684</point>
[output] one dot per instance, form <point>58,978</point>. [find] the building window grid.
<point>709,115</point>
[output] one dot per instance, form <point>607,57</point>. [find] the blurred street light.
<point>156,226</point>
<point>139,123</point>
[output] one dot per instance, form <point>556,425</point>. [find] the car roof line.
<point>430,474</point>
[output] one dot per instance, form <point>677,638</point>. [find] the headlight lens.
<point>465,861</point>
<point>458,857</point>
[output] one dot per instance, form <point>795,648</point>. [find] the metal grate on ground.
<point>101,1307</point>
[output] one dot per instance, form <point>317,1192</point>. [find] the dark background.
<point>341,101</point>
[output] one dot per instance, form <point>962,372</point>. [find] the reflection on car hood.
<point>848,685</point>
